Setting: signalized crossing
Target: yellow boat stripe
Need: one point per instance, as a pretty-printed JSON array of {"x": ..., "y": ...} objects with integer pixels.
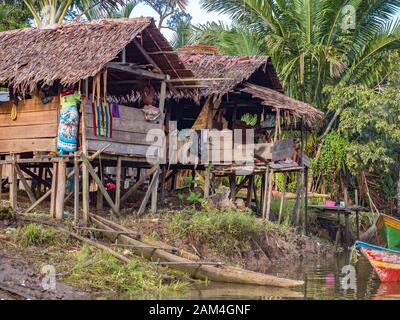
[{"x": 381, "y": 264}]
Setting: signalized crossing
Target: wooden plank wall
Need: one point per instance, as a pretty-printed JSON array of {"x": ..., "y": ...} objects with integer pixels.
[
  {"x": 128, "y": 133},
  {"x": 35, "y": 128}
]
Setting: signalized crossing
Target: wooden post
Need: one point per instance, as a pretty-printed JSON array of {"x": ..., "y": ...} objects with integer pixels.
[
  {"x": 269, "y": 197},
  {"x": 13, "y": 181},
  {"x": 162, "y": 96},
  {"x": 85, "y": 172},
  {"x": 283, "y": 192},
  {"x": 149, "y": 191},
  {"x": 232, "y": 184},
  {"x": 76, "y": 189},
  {"x": 305, "y": 200},
  {"x": 162, "y": 184},
  {"x": 61, "y": 180},
  {"x": 265, "y": 194},
  {"x": 118, "y": 184},
  {"x": 207, "y": 182},
  {"x": 1, "y": 179},
  {"x": 249, "y": 191},
  {"x": 99, "y": 195},
  {"x": 53, "y": 191},
  {"x": 154, "y": 192}
]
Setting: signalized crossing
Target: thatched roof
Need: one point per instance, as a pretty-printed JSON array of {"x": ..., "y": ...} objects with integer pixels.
[
  {"x": 230, "y": 70},
  {"x": 77, "y": 50},
  {"x": 310, "y": 115}
]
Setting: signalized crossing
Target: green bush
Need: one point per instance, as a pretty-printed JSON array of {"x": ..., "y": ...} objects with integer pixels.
[{"x": 226, "y": 230}]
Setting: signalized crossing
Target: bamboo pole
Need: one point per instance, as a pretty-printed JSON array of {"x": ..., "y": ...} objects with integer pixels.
[
  {"x": 154, "y": 193},
  {"x": 147, "y": 195}
]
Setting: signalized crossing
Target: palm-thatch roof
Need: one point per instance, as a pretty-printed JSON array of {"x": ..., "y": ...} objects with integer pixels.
[
  {"x": 234, "y": 73},
  {"x": 77, "y": 50},
  {"x": 279, "y": 101},
  {"x": 229, "y": 70}
]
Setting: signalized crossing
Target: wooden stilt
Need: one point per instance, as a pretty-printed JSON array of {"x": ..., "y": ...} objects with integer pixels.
[
  {"x": 25, "y": 183},
  {"x": 269, "y": 196},
  {"x": 154, "y": 192},
  {"x": 258, "y": 204},
  {"x": 232, "y": 183},
  {"x": 1, "y": 180},
  {"x": 265, "y": 194},
  {"x": 99, "y": 195},
  {"x": 61, "y": 180},
  {"x": 250, "y": 191},
  {"x": 76, "y": 189},
  {"x": 13, "y": 182},
  {"x": 283, "y": 192},
  {"x": 162, "y": 184},
  {"x": 207, "y": 182},
  {"x": 147, "y": 195},
  {"x": 118, "y": 184},
  {"x": 99, "y": 183},
  {"x": 53, "y": 191}
]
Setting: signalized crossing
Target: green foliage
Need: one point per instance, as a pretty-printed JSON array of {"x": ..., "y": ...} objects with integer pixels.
[
  {"x": 308, "y": 44},
  {"x": 232, "y": 40},
  {"x": 249, "y": 119},
  {"x": 333, "y": 156},
  {"x": 13, "y": 15},
  {"x": 138, "y": 279},
  {"x": 228, "y": 230},
  {"x": 35, "y": 235}
]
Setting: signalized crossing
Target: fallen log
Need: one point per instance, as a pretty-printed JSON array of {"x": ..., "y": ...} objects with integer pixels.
[{"x": 203, "y": 272}]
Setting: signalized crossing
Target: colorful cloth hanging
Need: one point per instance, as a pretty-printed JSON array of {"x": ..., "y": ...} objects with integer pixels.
[
  {"x": 102, "y": 119},
  {"x": 68, "y": 123}
]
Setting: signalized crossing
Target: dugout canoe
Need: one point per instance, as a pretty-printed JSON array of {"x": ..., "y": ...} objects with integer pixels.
[
  {"x": 195, "y": 269},
  {"x": 386, "y": 262},
  {"x": 389, "y": 228}
]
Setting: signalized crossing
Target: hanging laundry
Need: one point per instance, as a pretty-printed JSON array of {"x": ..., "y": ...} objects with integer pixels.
[
  {"x": 68, "y": 123},
  {"x": 102, "y": 119}
]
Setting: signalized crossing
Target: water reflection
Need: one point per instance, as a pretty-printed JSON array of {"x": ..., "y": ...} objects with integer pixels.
[{"x": 322, "y": 282}]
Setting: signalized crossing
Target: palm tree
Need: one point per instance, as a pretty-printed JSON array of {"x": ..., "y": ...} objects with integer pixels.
[
  {"x": 49, "y": 12},
  {"x": 235, "y": 40},
  {"x": 312, "y": 44}
]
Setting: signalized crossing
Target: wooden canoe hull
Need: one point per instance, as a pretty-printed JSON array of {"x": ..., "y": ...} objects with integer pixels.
[
  {"x": 226, "y": 274},
  {"x": 385, "y": 262},
  {"x": 389, "y": 227}
]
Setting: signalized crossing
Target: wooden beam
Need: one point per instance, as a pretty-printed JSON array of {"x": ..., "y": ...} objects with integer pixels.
[
  {"x": 53, "y": 191},
  {"x": 149, "y": 191},
  {"x": 61, "y": 181},
  {"x": 137, "y": 72},
  {"x": 76, "y": 189},
  {"x": 25, "y": 183},
  {"x": 35, "y": 176},
  {"x": 139, "y": 182},
  {"x": 163, "y": 93},
  {"x": 13, "y": 182},
  {"x": 283, "y": 192},
  {"x": 118, "y": 184},
  {"x": 154, "y": 192},
  {"x": 99, "y": 184}
]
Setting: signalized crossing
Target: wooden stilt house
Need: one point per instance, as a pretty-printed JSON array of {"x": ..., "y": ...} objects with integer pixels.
[
  {"x": 239, "y": 94},
  {"x": 106, "y": 62}
]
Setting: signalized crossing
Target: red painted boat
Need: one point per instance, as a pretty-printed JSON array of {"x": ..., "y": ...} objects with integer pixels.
[{"x": 385, "y": 262}]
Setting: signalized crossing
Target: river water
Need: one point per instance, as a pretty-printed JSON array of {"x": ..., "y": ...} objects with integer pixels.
[{"x": 322, "y": 281}]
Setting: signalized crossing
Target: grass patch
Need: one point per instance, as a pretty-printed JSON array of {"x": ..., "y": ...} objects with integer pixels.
[
  {"x": 6, "y": 213},
  {"x": 35, "y": 235},
  {"x": 227, "y": 231},
  {"x": 138, "y": 279}
]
